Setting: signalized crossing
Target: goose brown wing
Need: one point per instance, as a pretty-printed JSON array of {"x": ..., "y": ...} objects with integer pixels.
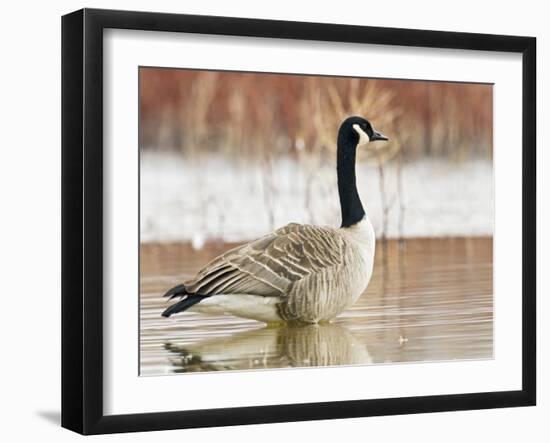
[{"x": 270, "y": 265}]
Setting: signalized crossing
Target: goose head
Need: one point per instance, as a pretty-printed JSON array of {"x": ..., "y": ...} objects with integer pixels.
[{"x": 357, "y": 131}]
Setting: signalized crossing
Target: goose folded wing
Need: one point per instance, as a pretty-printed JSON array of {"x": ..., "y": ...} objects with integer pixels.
[{"x": 271, "y": 264}]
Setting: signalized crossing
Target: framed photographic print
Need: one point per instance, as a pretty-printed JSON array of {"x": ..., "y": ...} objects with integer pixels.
[{"x": 269, "y": 221}]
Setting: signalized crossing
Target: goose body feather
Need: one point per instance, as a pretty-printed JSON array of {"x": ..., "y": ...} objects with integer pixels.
[{"x": 297, "y": 273}]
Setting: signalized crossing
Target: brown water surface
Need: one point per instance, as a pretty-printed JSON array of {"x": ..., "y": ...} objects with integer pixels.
[{"x": 428, "y": 300}]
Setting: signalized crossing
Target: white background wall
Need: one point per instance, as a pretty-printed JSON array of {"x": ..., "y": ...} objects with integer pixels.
[{"x": 30, "y": 218}]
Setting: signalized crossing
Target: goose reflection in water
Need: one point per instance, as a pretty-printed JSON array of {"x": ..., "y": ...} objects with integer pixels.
[{"x": 271, "y": 347}]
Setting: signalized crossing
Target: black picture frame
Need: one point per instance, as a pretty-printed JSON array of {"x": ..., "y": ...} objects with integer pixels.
[{"x": 82, "y": 220}]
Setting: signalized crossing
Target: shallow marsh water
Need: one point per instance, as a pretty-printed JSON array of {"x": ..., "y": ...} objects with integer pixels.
[{"x": 428, "y": 300}]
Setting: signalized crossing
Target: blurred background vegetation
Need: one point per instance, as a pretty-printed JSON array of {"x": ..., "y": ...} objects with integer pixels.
[
  {"x": 251, "y": 113},
  {"x": 233, "y": 155}
]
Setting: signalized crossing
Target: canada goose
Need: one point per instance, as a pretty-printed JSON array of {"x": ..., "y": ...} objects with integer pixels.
[{"x": 300, "y": 273}]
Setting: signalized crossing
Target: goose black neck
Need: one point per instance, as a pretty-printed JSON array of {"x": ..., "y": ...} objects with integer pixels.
[{"x": 350, "y": 203}]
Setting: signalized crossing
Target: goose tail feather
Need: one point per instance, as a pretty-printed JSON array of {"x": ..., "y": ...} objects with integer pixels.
[
  {"x": 176, "y": 291},
  {"x": 184, "y": 304}
]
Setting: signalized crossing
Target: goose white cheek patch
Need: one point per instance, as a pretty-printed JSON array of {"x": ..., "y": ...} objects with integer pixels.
[{"x": 363, "y": 136}]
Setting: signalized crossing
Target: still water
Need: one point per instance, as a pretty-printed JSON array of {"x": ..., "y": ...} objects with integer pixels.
[{"x": 428, "y": 300}]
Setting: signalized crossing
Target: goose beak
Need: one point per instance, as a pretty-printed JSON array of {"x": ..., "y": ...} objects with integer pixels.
[{"x": 378, "y": 136}]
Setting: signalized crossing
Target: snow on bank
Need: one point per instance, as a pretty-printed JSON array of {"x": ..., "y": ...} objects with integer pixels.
[{"x": 199, "y": 200}]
